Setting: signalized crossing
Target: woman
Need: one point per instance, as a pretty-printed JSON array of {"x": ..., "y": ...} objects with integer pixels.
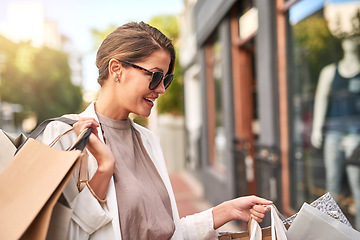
[{"x": 129, "y": 195}]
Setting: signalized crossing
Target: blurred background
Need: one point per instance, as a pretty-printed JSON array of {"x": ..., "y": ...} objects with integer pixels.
[
  {"x": 48, "y": 50},
  {"x": 239, "y": 117}
]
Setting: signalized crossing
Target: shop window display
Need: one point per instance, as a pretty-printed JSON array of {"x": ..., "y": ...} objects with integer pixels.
[
  {"x": 325, "y": 117},
  {"x": 215, "y": 81}
]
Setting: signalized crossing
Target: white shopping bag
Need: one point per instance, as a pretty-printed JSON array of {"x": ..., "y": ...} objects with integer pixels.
[
  {"x": 312, "y": 224},
  {"x": 277, "y": 227}
]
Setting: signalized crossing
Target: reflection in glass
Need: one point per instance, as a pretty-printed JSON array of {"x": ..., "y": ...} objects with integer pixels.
[
  {"x": 220, "y": 139},
  {"x": 326, "y": 103}
]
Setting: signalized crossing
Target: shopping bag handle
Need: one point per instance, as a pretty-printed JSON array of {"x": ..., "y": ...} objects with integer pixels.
[
  {"x": 278, "y": 230},
  {"x": 81, "y": 141},
  {"x": 251, "y": 220},
  {"x": 34, "y": 134},
  {"x": 79, "y": 144},
  {"x": 43, "y": 125}
]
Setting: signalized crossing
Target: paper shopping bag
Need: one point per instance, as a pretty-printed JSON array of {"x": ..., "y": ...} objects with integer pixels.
[
  {"x": 11, "y": 145},
  {"x": 277, "y": 230},
  {"x": 31, "y": 184},
  {"x": 8, "y": 145},
  {"x": 326, "y": 204},
  {"x": 311, "y": 223}
]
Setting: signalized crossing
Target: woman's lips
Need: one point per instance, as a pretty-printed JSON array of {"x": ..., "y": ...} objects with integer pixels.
[{"x": 150, "y": 101}]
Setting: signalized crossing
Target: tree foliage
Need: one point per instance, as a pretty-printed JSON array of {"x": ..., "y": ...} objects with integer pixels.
[
  {"x": 167, "y": 24},
  {"x": 315, "y": 47},
  {"x": 100, "y": 35},
  {"x": 39, "y": 80},
  {"x": 173, "y": 100}
]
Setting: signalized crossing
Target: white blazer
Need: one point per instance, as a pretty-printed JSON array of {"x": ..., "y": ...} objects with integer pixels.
[{"x": 90, "y": 220}]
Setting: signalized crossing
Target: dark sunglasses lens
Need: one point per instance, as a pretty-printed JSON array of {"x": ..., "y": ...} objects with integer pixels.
[
  {"x": 167, "y": 80},
  {"x": 156, "y": 79}
]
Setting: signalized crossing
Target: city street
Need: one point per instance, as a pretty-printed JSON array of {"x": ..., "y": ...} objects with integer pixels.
[{"x": 190, "y": 199}]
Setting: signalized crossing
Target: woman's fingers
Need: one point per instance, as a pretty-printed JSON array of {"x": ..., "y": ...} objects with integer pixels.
[
  {"x": 88, "y": 121},
  {"x": 256, "y": 218},
  {"x": 84, "y": 123},
  {"x": 258, "y": 212},
  {"x": 261, "y": 208},
  {"x": 259, "y": 201},
  {"x": 94, "y": 141}
]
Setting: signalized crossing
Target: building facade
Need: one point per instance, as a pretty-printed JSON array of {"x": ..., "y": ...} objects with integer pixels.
[{"x": 272, "y": 97}]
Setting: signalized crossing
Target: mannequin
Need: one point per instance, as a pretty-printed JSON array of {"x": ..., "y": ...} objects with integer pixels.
[{"x": 337, "y": 120}]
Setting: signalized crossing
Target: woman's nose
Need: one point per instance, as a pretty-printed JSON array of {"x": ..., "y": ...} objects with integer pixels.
[{"x": 160, "y": 88}]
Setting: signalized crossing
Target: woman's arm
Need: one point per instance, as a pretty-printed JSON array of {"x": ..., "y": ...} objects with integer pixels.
[
  {"x": 103, "y": 155},
  {"x": 203, "y": 225},
  {"x": 240, "y": 209}
]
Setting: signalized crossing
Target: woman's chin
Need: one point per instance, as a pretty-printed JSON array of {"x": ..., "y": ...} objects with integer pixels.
[{"x": 143, "y": 114}]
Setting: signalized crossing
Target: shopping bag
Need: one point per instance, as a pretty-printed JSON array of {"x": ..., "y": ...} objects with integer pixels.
[
  {"x": 8, "y": 144},
  {"x": 326, "y": 204},
  {"x": 11, "y": 145},
  {"x": 31, "y": 184},
  {"x": 277, "y": 230},
  {"x": 311, "y": 223}
]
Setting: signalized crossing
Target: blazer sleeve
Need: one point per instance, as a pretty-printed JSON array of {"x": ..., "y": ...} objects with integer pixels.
[
  {"x": 199, "y": 226},
  {"x": 88, "y": 214}
]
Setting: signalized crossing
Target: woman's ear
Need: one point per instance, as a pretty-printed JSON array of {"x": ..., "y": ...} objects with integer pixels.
[{"x": 115, "y": 69}]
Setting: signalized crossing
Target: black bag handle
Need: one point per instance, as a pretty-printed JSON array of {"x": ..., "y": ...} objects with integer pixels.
[
  {"x": 83, "y": 141},
  {"x": 80, "y": 145},
  {"x": 43, "y": 125}
]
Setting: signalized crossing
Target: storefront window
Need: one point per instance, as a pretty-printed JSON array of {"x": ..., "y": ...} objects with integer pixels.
[
  {"x": 325, "y": 103},
  {"x": 220, "y": 140},
  {"x": 215, "y": 103}
]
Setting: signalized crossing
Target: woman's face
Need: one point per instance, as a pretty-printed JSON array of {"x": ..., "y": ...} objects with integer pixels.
[{"x": 134, "y": 95}]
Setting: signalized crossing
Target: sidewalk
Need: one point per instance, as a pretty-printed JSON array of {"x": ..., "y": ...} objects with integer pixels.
[{"x": 190, "y": 197}]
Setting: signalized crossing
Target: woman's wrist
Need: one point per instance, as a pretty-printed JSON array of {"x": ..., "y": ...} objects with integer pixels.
[
  {"x": 106, "y": 165},
  {"x": 100, "y": 181},
  {"x": 106, "y": 168},
  {"x": 222, "y": 214}
]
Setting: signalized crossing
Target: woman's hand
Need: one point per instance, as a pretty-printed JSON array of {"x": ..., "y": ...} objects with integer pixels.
[
  {"x": 241, "y": 209},
  {"x": 102, "y": 153}
]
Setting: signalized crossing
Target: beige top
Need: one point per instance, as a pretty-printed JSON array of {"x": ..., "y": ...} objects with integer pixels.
[{"x": 143, "y": 201}]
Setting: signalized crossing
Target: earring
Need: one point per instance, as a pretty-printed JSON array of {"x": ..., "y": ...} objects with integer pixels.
[{"x": 116, "y": 79}]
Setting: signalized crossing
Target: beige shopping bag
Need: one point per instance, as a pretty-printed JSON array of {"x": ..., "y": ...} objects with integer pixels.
[{"x": 31, "y": 184}]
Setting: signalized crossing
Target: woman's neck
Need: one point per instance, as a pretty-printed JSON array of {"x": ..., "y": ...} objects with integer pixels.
[{"x": 106, "y": 106}]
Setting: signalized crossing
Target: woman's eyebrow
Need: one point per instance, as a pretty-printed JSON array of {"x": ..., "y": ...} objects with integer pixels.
[{"x": 158, "y": 69}]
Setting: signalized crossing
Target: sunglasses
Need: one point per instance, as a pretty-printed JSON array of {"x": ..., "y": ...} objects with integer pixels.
[{"x": 156, "y": 77}]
